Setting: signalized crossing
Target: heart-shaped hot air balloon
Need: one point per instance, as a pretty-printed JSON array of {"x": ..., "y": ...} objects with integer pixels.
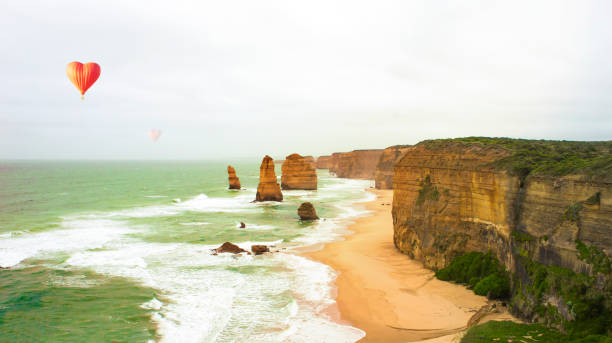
[
  {"x": 154, "y": 134},
  {"x": 82, "y": 75}
]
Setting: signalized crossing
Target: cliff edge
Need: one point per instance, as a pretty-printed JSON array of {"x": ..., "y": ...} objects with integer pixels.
[
  {"x": 535, "y": 205},
  {"x": 383, "y": 175}
]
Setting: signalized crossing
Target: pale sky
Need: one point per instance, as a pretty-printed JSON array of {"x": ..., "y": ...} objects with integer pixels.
[{"x": 225, "y": 79}]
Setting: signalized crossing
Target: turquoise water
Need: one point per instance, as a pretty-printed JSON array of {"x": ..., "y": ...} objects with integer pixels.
[{"x": 120, "y": 252}]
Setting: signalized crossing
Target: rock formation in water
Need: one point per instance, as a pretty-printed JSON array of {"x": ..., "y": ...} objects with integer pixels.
[
  {"x": 242, "y": 225},
  {"x": 298, "y": 173},
  {"x": 311, "y": 161},
  {"x": 383, "y": 176},
  {"x": 527, "y": 202},
  {"x": 306, "y": 211},
  {"x": 268, "y": 188},
  {"x": 259, "y": 249},
  {"x": 231, "y": 248},
  {"x": 234, "y": 181},
  {"x": 323, "y": 162},
  {"x": 357, "y": 164}
]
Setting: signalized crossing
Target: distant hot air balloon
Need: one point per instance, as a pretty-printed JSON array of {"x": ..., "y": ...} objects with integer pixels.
[
  {"x": 83, "y": 76},
  {"x": 154, "y": 134}
]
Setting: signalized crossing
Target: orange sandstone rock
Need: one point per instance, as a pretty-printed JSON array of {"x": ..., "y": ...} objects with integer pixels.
[
  {"x": 298, "y": 173},
  {"x": 268, "y": 188},
  {"x": 384, "y": 169},
  {"x": 357, "y": 164},
  {"x": 311, "y": 160},
  {"x": 323, "y": 162},
  {"x": 234, "y": 181},
  {"x": 306, "y": 211}
]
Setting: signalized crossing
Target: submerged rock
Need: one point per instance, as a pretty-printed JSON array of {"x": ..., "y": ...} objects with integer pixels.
[
  {"x": 234, "y": 181},
  {"x": 268, "y": 188},
  {"x": 231, "y": 248},
  {"x": 306, "y": 211},
  {"x": 259, "y": 249}
]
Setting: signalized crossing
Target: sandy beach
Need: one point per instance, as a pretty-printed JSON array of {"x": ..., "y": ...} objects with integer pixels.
[{"x": 388, "y": 295}]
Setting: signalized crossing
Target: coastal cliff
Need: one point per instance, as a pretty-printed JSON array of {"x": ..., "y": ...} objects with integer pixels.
[
  {"x": 268, "y": 188},
  {"x": 383, "y": 176},
  {"x": 535, "y": 205},
  {"x": 323, "y": 162},
  {"x": 357, "y": 164},
  {"x": 298, "y": 173}
]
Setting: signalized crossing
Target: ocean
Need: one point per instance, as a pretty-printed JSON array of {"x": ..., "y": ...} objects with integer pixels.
[{"x": 121, "y": 252}]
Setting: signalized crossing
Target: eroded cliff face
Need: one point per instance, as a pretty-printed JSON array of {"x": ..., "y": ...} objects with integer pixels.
[
  {"x": 234, "y": 181},
  {"x": 557, "y": 211},
  {"x": 298, "y": 173},
  {"x": 323, "y": 162},
  {"x": 333, "y": 163},
  {"x": 268, "y": 188},
  {"x": 445, "y": 203},
  {"x": 357, "y": 164},
  {"x": 383, "y": 176},
  {"x": 451, "y": 200}
]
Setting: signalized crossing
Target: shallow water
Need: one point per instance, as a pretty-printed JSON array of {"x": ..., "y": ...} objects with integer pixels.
[{"x": 120, "y": 251}]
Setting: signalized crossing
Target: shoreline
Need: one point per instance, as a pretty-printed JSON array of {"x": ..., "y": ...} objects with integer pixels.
[{"x": 389, "y": 296}]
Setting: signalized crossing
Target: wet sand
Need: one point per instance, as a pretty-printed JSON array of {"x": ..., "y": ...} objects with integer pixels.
[{"x": 388, "y": 295}]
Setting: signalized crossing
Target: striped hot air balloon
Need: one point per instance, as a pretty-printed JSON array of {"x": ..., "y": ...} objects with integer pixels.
[{"x": 82, "y": 75}]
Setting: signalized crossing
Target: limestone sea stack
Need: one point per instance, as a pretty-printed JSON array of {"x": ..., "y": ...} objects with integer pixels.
[
  {"x": 298, "y": 173},
  {"x": 306, "y": 211},
  {"x": 383, "y": 176},
  {"x": 268, "y": 188},
  {"x": 311, "y": 160},
  {"x": 323, "y": 162},
  {"x": 234, "y": 181}
]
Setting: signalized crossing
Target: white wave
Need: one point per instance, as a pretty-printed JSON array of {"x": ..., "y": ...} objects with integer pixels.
[
  {"x": 13, "y": 234},
  {"x": 297, "y": 193},
  {"x": 346, "y": 184},
  {"x": 194, "y": 224},
  {"x": 251, "y": 226},
  {"x": 200, "y": 203},
  {"x": 77, "y": 235},
  {"x": 276, "y": 297}
]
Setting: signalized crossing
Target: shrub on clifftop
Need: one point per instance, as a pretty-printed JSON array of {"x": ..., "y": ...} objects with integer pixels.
[{"x": 544, "y": 157}]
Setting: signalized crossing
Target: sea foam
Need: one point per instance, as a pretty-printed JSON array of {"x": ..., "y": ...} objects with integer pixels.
[{"x": 278, "y": 297}]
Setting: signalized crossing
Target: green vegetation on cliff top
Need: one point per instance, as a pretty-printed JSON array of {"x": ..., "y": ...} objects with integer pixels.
[
  {"x": 544, "y": 157},
  {"x": 507, "y": 331}
]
